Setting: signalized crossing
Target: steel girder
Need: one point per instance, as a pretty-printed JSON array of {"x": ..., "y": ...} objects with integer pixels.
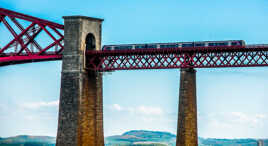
[
  {"x": 24, "y": 47},
  {"x": 195, "y": 57},
  {"x": 22, "y": 44}
]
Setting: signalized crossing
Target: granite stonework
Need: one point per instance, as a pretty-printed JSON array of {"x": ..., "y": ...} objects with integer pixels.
[
  {"x": 80, "y": 120},
  {"x": 187, "y": 119}
]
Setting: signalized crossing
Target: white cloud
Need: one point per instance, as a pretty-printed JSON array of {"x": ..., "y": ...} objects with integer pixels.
[
  {"x": 143, "y": 110},
  {"x": 116, "y": 107},
  {"x": 235, "y": 119},
  {"x": 36, "y": 105},
  {"x": 148, "y": 119},
  {"x": 242, "y": 124},
  {"x": 29, "y": 117},
  {"x": 253, "y": 120},
  {"x": 261, "y": 116},
  {"x": 220, "y": 124},
  {"x": 240, "y": 117},
  {"x": 147, "y": 110}
]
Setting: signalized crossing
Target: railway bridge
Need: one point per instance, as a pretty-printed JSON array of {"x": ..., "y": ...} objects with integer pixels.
[{"x": 80, "y": 121}]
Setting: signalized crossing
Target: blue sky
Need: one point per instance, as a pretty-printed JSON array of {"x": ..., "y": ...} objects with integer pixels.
[{"x": 231, "y": 102}]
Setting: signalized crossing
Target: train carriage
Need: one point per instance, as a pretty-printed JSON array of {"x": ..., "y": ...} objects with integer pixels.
[{"x": 174, "y": 45}]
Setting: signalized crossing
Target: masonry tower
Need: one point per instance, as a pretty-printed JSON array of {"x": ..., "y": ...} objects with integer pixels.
[
  {"x": 81, "y": 103},
  {"x": 187, "y": 118}
]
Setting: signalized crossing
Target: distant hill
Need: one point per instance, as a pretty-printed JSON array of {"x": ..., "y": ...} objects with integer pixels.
[
  {"x": 144, "y": 137},
  {"x": 265, "y": 142},
  {"x": 131, "y": 138},
  {"x": 227, "y": 142},
  {"x": 26, "y": 140},
  {"x": 141, "y": 137}
]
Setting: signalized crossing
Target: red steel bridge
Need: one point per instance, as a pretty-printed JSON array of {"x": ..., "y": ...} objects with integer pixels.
[
  {"x": 25, "y": 39},
  {"x": 25, "y": 46}
]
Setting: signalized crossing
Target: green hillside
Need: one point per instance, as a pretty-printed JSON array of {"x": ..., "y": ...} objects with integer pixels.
[
  {"x": 131, "y": 138},
  {"x": 141, "y": 137},
  {"x": 227, "y": 142},
  {"x": 26, "y": 140}
]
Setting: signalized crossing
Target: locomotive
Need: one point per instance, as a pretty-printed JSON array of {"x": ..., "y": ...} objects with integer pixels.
[{"x": 175, "y": 45}]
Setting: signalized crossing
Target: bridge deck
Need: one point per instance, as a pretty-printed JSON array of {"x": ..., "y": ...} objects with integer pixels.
[{"x": 194, "y": 57}]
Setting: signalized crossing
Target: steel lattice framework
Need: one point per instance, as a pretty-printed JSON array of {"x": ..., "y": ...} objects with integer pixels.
[
  {"x": 195, "y": 57},
  {"x": 22, "y": 44},
  {"x": 25, "y": 46}
]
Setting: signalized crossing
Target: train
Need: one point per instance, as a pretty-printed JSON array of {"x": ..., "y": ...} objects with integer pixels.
[{"x": 174, "y": 45}]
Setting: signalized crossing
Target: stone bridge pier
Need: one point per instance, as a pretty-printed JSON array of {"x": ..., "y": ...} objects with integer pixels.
[
  {"x": 80, "y": 120},
  {"x": 187, "y": 118}
]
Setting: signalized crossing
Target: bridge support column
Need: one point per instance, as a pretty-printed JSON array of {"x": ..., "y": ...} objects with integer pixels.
[
  {"x": 81, "y": 109},
  {"x": 187, "y": 119}
]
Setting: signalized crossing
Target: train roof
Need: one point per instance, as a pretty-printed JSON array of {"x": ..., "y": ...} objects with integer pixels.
[{"x": 171, "y": 43}]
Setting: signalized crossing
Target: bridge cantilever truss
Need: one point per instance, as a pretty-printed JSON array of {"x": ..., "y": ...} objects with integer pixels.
[
  {"x": 22, "y": 45},
  {"x": 194, "y": 57},
  {"x": 25, "y": 47}
]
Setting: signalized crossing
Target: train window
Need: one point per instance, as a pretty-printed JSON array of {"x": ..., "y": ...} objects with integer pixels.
[
  {"x": 118, "y": 47},
  {"x": 187, "y": 45},
  {"x": 128, "y": 47},
  {"x": 140, "y": 46},
  {"x": 211, "y": 44},
  {"x": 162, "y": 46},
  {"x": 107, "y": 48},
  {"x": 219, "y": 44},
  {"x": 234, "y": 43},
  {"x": 151, "y": 46},
  {"x": 123, "y": 47},
  {"x": 173, "y": 46},
  {"x": 223, "y": 44},
  {"x": 169, "y": 46},
  {"x": 199, "y": 44}
]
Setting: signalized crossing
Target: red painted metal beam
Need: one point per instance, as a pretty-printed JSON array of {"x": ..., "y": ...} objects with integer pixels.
[
  {"x": 19, "y": 39},
  {"x": 194, "y": 57},
  {"x": 27, "y": 34},
  {"x": 9, "y": 60},
  {"x": 10, "y": 13},
  {"x": 1, "y": 18},
  {"x": 24, "y": 46},
  {"x": 16, "y": 38},
  {"x": 30, "y": 39}
]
